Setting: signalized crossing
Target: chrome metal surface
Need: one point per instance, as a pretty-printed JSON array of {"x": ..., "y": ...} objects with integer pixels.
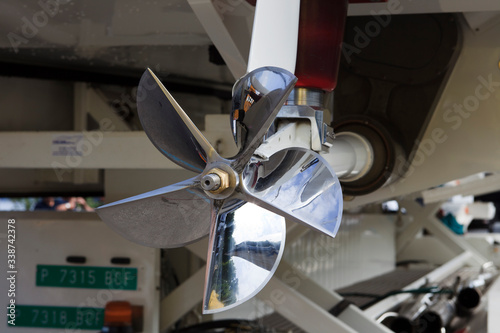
[
  {"x": 169, "y": 127},
  {"x": 257, "y": 99},
  {"x": 168, "y": 217},
  {"x": 437, "y": 316},
  {"x": 238, "y": 200},
  {"x": 210, "y": 182},
  {"x": 299, "y": 185},
  {"x": 246, "y": 243},
  {"x": 306, "y": 96}
]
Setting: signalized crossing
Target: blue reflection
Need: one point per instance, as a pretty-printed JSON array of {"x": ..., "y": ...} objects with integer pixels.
[{"x": 247, "y": 245}]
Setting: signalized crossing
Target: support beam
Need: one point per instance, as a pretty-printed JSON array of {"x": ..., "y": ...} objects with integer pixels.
[
  {"x": 454, "y": 242},
  {"x": 99, "y": 149},
  {"x": 485, "y": 185},
  {"x": 424, "y": 217},
  {"x": 80, "y": 106},
  {"x": 275, "y": 35},
  {"x": 419, "y": 217},
  {"x": 182, "y": 300},
  {"x": 94, "y": 104},
  {"x": 327, "y": 299},
  {"x": 294, "y": 282},
  {"x": 234, "y": 51},
  {"x": 299, "y": 310}
]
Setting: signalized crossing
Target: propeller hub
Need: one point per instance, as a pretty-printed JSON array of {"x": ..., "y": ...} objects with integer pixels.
[
  {"x": 215, "y": 181},
  {"x": 211, "y": 182}
]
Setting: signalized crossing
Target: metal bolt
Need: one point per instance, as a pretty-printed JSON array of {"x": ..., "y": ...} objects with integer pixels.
[
  {"x": 215, "y": 181},
  {"x": 210, "y": 182}
]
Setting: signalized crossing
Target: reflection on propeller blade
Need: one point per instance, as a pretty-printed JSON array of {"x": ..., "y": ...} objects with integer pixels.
[
  {"x": 246, "y": 244},
  {"x": 246, "y": 199},
  {"x": 298, "y": 184},
  {"x": 257, "y": 99},
  {"x": 168, "y": 217},
  {"x": 169, "y": 127}
]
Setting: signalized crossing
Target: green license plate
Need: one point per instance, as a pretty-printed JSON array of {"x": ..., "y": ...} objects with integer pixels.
[
  {"x": 70, "y": 318},
  {"x": 86, "y": 277}
]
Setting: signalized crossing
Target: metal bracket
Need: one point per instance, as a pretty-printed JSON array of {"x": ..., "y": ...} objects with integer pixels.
[
  {"x": 424, "y": 217},
  {"x": 321, "y": 134}
]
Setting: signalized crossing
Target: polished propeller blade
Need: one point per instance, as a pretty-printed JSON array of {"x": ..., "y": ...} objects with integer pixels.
[
  {"x": 299, "y": 185},
  {"x": 245, "y": 248},
  {"x": 257, "y": 99},
  {"x": 168, "y": 217},
  {"x": 241, "y": 202},
  {"x": 169, "y": 127}
]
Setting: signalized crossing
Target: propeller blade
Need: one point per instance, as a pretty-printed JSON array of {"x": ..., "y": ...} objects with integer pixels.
[
  {"x": 299, "y": 185},
  {"x": 171, "y": 216},
  {"x": 257, "y": 99},
  {"x": 169, "y": 127},
  {"x": 245, "y": 248},
  {"x": 246, "y": 199}
]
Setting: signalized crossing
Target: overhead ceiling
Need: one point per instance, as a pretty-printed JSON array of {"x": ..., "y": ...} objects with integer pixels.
[{"x": 122, "y": 37}]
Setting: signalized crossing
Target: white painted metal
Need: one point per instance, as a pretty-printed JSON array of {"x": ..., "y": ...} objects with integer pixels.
[
  {"x": 80, "y": 106},
  {"x": 133, "y": 150},
  {"x": 293, "y": 280},
  {"x": 428, "y": 249},
  {"x": 363, "y": 248},
  {"x": 462, "y": 137},
  {"x": 359, "y": 320},
  {"x": 493, "y": 306},
  {"x": 182, "y": 300},
  {"x": 480, "y": 186},
  {"x": 454, "y": 242},
  {"x": 275, "y": 35},
  {"x": 350, "y": 155},
  {"x": 424, "y": 217},
  {"x": 326, "y": 299},
  {"x": 293, "y": 134},
  {"x": 481, "y": 21},
  {"x": 89, "y": 101},
  {"x": 99, "y": 149},
  {"x": 418, "y": 216},
  {"x": 295, "y": 231},
  {"x": 233, "y": 48},
  {"x": 486, "y": 244},
  {"x": 49, "y": 237},
  {"x": 299, "y": 310}
]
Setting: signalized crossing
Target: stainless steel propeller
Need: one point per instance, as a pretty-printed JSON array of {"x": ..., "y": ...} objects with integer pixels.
[{"x": 240, "y": 202}]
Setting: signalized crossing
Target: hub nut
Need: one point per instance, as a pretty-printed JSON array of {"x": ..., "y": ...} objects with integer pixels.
[{"x": 215, "y": 181}]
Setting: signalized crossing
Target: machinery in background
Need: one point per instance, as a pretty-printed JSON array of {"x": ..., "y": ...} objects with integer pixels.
[
  {"x": 406, "y": 120},
  {"x": 289, "y": 178},
  {"x": 435, "y": 308}
]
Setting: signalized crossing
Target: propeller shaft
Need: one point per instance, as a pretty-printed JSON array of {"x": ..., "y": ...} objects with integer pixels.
[{"x": 211, "y": 182}]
